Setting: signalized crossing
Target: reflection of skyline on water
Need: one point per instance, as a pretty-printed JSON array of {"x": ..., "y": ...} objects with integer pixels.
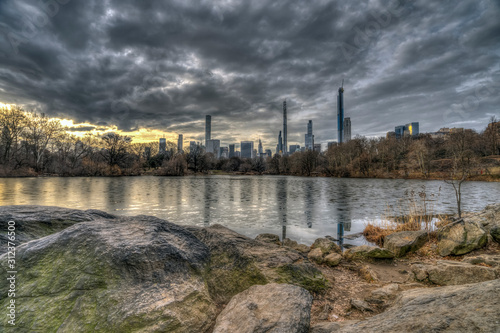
[{"x": 299, "y": 208}]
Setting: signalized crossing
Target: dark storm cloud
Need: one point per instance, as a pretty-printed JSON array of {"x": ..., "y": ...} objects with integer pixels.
[{"x": 165, "y": 64}]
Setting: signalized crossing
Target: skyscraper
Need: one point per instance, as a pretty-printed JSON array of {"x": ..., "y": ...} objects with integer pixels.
[
  {"x": 284, "y": 129},
  {"x": 293, "y": 148},
  {"x": 309, "y": 137},
  {"x": 192, "y": 145},
  {"x": 180, "y": 144},
  {"x": 208, "y": 129},
  {"x": 279, "y": 147},
  {"x": 340, "y": 113},
  {"x": 347, "y": 129},
  {"x": 412, "y": 129},
  {"x": 246, "y": 149},
  {"x": 261, "y": 150},
  {"x": 163, "y": 145},
  {"x": 213, "y": 146},
  {"x": 399, "y": 131},
  {"x": 231, "y": 150}
]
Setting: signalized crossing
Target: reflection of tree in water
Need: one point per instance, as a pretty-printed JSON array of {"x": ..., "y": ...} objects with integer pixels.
[
  {"x": 210, "y": 197},
  {"x": 309, "y": 202},
  {"x": 343, "y": 210},
  {"x": 281, "y": 198}
]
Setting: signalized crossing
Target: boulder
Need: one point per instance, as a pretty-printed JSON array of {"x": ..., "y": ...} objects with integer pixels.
[
  {"x": 33, "y": 222},
  {"x": 135, "y": 274},
  {"x": 401, "y": 243},
  {"x": 269, "y": 238},
  {"x": 238, "y": 262},
  {"x": 495, "y": 233},
  {"x": 326, "y": 245},
  {"x": 333, "y": 259},
  {"x": 361, "y": 305},
  {"x": 316, "y": 255},
  {"x": 367, "y": 251},
  {"x": 486, "y": 259},
  {"x": 488, "y": 218},
  {"x": 273, "y": 308},
  {"x": 466, "y": 308},
  {"x": 302, "y": 248},
  {"x": 385, "y": 293},
  {"x": 461, "y": 237},
  {"x": 447, "y": 272}
]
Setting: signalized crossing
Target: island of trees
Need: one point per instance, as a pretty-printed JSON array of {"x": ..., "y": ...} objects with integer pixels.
[{"x": 34, "y": 145}]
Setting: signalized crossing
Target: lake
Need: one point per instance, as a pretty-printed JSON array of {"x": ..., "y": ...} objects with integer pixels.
[{"x": 301, "y": 208}]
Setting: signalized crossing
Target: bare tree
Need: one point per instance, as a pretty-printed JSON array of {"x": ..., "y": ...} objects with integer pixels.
[{"x": 12, "y": 124}]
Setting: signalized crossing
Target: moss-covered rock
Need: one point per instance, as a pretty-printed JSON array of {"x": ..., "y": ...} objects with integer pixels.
[
  {"x": 461, "y": 237},
  {"x": 326, "y": 245},
  {"x": 401, "y": 243}
]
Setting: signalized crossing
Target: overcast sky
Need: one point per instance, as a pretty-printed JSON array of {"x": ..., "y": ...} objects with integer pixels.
[{"x": 164, "y": 65}]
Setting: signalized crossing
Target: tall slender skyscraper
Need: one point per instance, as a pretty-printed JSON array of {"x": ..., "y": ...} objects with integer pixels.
[
  {"x": 284, "y": 129},
  {"x": 347, "y": 129},
  {"x": 163, "y": 145},
  {"x": 232, "y": 150},
  {"x": 340, "y": 113},
  {"x": 261, "y": 149},
  {"x": 279, "y": 148},
  {"x": 208, "y": 129},
  {"x": 309, "y": 137},
  {"x": 180, "y": 144}
]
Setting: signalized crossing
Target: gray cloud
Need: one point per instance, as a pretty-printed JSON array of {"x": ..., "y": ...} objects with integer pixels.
[{"x": 165, "y": 64}]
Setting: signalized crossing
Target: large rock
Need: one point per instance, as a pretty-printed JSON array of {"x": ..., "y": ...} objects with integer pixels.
[
  {"x": 486, "y": 259},
  {"x": 367, "y": 251},
  {"x": 130, "y": 274},
  {"x": 302, "y": 248},
  {"x": 401, "y": 243},
  {"x": 467, "y": 308},
  {"x": 488, "y": 218},
  {"x": 269, "y": 238},
  {"x": 238, "y": 262},
  {"x": 447, "y": 272},
  {"x": 33, "y": 222},
  {"x": 461, "y": 237},
  {"x": 273, "y": 308},
  {"x": 326, "y": 245},
  {"x": 495, "y": 233}
]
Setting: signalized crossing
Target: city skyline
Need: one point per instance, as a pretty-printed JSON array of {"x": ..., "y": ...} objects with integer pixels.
[{"x": 97, "y": 75}]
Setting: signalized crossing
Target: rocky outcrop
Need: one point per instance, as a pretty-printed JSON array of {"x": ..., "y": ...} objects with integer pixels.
[
  {"x": 238, "y": 262},
  {"x": 488, "y": 218},
  {"x": 447, "y": 272},
  {"x": 135, "y": 274},
  {"x": 466, "y": 308},
  {"x": 461, "y": 237},
  {"x": 385, "y": 293},
  {"x": 268, "y": 238},
  {"x": 367, "y": 251},
  {"x": 401, "y": 243},
  {"x": 486, "y": 259},
  {"x": 273, "y": 308},
  {"x": 33, "y": 222},
  {"x": 495, "y": 233},
  {"x": 333, "y": 259},
  {"x": 302, "y": 248},
  {"x": 326, "y": 246}
]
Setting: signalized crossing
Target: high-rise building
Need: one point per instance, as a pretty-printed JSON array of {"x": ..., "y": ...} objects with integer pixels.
[
  {"x": 213, "y": 146},
  {"x": 231, "y": 150},
  {"x": 208, "y": 129},
  {"x": 411, "y": 129},
  {"x": 147, "y": 153},
  {"x": 340, "y": 113},
  {"x": 279, "y": 148},
  {"x": 284, "y": 129},
  {"x": 261, "y": 149},
  {"x": 347, "y": 129},
  {"x": 192, "y": 145},
  {"x": 331, "y": 144},
  {"x": 269, "y": 153},
  {"x": 294, "y": 148},
  {"x": 224, "y": 152},
  {"x": 163, "y": 145},
  {"x": 317, "y": 147},
  {"x": 246, "y": 149},
  {"x": 180, "y": 144},
  {"x": 309, "y": 137},
  {"x": 399, "y": 130}
]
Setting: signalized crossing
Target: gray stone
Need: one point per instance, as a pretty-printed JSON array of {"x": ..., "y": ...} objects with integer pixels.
[
  {"x": 401, "y": 243},
  {"x": 467, "y": 308},
  {"x": 461, "y": 237},
  {"x": 495, "y": 233},
  {"x": 33, "y": 222},
  {"x": 367, "y": 251},
  {"x": 302, "y": 248},
  {"x": 385, "y": 293},
  {"x": 324, "y": 327},
  {"x": 361, "y": 305},
  {"x": 447, "y": 272},
  {"x": 273, "y": 308},
  {"x": 326, "y": 245},
  {"x": 316, "y": 255},
  {"x": 268, "y": 238},
  {"x": 488, "y": 218},
  {"x": 488, "y": 259}
]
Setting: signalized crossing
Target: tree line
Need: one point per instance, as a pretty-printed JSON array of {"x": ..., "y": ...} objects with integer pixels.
[{"x": 32, "y": 144}]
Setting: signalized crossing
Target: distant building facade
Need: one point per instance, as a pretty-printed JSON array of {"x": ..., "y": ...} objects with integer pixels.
[
  {"x": 163, "y": 145},
  {"x": 317, "y": 147},
  {"x": 213, "y": 146},
  {"x": 347, "y": 129},
  {"x": 224, "y": 152},
  {"x": 246, "y": 149},
  {"x": 309, "y": 137},
  {"x": 294, "y": 148},
  {"x": 180, "y": 144},
  {"x": 232, "y": 151},
  {"x": 208, "y": 129}
]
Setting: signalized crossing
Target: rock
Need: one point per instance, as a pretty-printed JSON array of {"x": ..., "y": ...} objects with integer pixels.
[
  {"x": 367, "y": 251},
  {"x": 268, "y": 238},
  {"x": 488, "y": 218},
  {"x": 333, "y": 259},
  {"x": 447, "y": 272},
  {"x": 495, "y": 233},
  {"x": 361, "y": 305},
  {"x": 324, "y": 327},
  {"x": 135, "y": 274},
  {"x": 488, "y": 259},
  {"x": 302, "y": 248},
  {"x": 273, "y": 308},
  {"x": 316, "y": 255},
  {"x": 238, "y": 262},
  {"x": 326, "y": 245},
  {"x": 461, "y": 237},
  {"x": 386, "y": 292},
  {"x": 33, "y": 222},
  {"x": 401, "y": 243},
  {"x": 467, "y": 308},
  {"x": 368, "y": 274}
]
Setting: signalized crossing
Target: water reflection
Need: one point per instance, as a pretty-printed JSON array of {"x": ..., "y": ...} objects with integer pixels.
[{"x": 281, "y": 198}]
